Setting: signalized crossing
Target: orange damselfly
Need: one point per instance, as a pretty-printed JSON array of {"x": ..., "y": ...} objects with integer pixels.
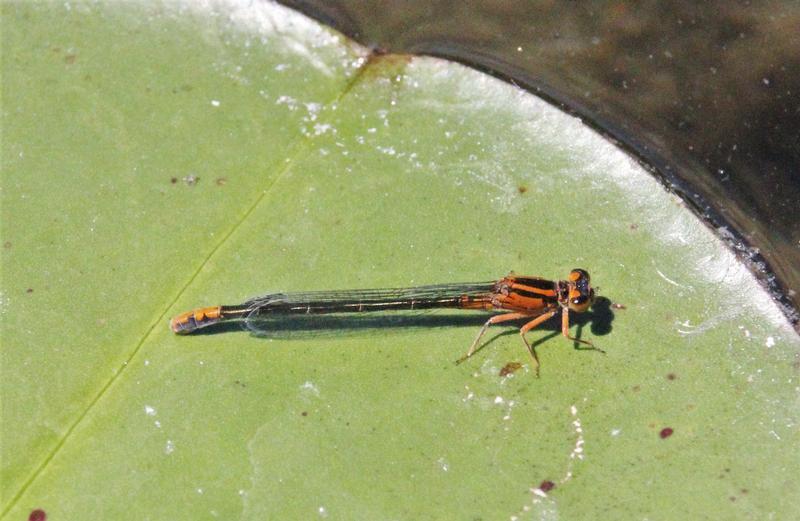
[{"x": 515, "y": 297}]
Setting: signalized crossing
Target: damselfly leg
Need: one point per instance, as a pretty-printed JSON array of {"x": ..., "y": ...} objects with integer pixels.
[{"x": 494, "y": 320}]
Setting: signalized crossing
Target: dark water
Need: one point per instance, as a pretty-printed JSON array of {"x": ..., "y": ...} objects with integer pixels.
[{"x": 706, "y": 93}]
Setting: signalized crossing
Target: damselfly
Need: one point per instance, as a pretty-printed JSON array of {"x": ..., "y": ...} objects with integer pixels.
[{"x": 515, "y": 297}]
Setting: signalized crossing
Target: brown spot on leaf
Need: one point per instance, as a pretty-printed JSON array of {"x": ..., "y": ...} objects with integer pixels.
[
  {"x": 546, "y": 486},
  {"x": 510, "y": 368},
  {"x": 37, "y": 515},
  {"x": 392, "y": 65}
]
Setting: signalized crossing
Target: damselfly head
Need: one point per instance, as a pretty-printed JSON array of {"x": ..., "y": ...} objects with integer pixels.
[{"x": 580, "y": 294}]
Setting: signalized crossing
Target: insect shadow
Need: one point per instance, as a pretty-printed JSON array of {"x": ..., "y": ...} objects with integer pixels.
[{"x": 599, "y": 319}]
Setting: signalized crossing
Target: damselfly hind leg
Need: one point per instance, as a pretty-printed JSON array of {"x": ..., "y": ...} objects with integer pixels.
[{"x": 494, "y": 320}]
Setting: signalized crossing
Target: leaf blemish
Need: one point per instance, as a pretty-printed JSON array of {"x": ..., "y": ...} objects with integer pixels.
[
  {"x": 37, "y": 515},
  {"x": 546, "y": 486},
  {"x": 510, "y": 368}
]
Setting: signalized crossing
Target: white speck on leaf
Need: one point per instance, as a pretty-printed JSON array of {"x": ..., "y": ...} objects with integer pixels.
[
  {"x": 310, "y": 387},
  {"x": 289, "y": 101},
  {"x": 321, "y": 128}
]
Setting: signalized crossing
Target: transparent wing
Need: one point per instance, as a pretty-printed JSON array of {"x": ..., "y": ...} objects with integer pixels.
[
  {"x": 325, "y": 309},
  {"x": 436, "y": 292}
]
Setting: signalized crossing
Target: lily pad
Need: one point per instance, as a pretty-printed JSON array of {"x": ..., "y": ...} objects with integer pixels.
[{"x": 160, "y": 157}]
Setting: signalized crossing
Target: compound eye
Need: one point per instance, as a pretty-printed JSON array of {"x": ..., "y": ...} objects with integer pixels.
[
  {"x": 580, "y": 303},
  {"x": 579, "y": 275},
  {"x": 580, "y": 300}
]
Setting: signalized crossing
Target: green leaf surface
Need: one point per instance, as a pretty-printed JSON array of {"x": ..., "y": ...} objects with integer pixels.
[{"x": 162, "y": 156}]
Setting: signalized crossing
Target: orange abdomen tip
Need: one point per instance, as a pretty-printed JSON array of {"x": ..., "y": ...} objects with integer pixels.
[{"x": 190, "y": 321}]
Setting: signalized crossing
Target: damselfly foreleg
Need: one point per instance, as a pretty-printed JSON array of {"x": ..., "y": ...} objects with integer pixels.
[{"x": 565, "y": 332}]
